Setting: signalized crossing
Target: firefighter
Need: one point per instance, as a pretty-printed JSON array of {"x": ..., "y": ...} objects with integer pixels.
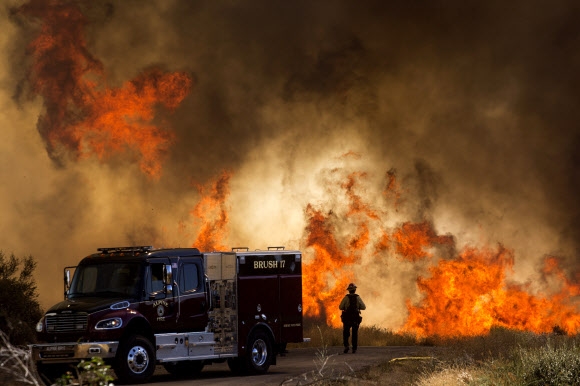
[{"x": 350, "y": 306}]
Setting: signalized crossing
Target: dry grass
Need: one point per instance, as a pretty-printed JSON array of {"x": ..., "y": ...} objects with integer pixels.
[
  {"x": 320, "y": 334},
  {"x": 503, "y": 357},
  {"x": 448, "y": 377},
  {"x": 387, "y": 373},
  {"x": 324, "y": 374},
  {"x": 16, "y": 367}
]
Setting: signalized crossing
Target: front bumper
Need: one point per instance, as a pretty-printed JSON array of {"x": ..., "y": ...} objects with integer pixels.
[{"x": 72, "y": 351}]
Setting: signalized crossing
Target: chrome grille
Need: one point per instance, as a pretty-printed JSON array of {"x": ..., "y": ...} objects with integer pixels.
[{"x": 67, "y": 322}]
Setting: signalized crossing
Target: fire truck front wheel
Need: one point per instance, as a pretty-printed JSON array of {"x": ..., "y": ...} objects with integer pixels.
[
  {"x": 260, "y": 353},
  {"x": 135, "y": 362}
]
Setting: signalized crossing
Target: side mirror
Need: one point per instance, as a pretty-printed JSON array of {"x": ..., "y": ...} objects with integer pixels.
[
  {"x": 168, "y": 278},
  {"x": 66, "y": 282}
]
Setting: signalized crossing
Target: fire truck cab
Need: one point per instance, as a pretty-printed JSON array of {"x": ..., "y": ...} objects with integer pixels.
[{"x": 137, "y": 307}]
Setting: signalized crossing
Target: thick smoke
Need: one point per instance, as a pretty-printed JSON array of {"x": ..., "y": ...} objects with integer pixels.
[{"x": 474, "y": 106}]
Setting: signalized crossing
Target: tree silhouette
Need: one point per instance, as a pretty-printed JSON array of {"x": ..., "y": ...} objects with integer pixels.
[{"x": 19, "y": 307}]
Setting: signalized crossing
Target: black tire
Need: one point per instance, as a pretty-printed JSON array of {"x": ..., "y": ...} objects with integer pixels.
[
  {"x": 135, "y": 361},
  {"x": 184, "y": 369},
  {"x": 260, "y": 353}
]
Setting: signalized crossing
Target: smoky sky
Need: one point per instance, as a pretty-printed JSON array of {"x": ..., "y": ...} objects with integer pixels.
[{"x": 474, "y": 104}]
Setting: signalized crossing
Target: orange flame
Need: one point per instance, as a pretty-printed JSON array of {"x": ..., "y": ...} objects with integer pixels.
[
  {"x": 211, "y": 213},
  {"x": 469, "y": 295},
  {"x": 413, "y": 240},
  {"x": 324, "y": 279},
  {"x": 552, "y": 270},
  {"x": 82, "y": 115},
  {"x": 331, "y": 269},
  {"x": 466, "y": 293},
  {"x": 356, "y": 204},
  {"x": 383, "y": 244}
]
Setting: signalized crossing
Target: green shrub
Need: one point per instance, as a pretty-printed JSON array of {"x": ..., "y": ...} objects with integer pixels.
[
  {"x": 550, "y": 365},
  {"x": 92, "y": 373},
  {"x": 507, "y": 357},
  {"x": 19, "y": 307}
]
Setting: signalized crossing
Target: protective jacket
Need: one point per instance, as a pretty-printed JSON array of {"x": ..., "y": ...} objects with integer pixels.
[{"x": 351, "y": 305}]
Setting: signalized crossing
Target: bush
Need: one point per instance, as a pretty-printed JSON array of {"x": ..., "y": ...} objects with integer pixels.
[
  {"x": 17, "y": 367},
  {"x": 19, "y": 307},
  {"x": 507, "y": 357},
  {"x": 92, "y": 373},
  {"x": 319, "y": 332},
  {"x": 551, "y": 365},
  {"x": 499, "y": 343}
]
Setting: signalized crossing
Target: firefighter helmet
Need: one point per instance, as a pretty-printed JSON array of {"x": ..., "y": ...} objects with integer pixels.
[{"x": 351, "y": 287}]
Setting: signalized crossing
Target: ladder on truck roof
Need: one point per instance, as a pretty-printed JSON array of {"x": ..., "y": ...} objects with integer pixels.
[
  {"x": 143, "y": 248},
  {"x": 246, "y": 249}
]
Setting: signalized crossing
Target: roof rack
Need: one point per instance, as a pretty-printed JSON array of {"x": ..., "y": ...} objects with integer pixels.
[
  {"x": 143, "y": 248},
  {"x": 235, "y": 249},
  {"x": 275, "y": 248}
]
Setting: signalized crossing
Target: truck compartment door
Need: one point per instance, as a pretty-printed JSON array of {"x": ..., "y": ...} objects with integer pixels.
[
  {"x": 258, "y": 302},
  {"x": 291, "y": 308},
  {"x": 184, "y": 346}
]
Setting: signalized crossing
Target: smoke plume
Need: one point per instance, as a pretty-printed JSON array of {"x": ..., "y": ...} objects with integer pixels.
[{"x": 458, "y": 120}]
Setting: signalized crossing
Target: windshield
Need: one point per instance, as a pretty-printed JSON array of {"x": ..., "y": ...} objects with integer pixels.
[{"x": 106, "y": 280}]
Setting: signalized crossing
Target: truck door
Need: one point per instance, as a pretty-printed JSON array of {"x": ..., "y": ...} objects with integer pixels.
[
  {"x": 192, "y": 297},
  {"x": 258, "y": 302},
  {"x": 160, "y": 307},
  {"x": 291, "y": 308}
]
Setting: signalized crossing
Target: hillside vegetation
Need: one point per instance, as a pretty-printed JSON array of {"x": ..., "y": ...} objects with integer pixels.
[
  {"x": 503, "y": 357},
  {"x": 19, "y": 307}
]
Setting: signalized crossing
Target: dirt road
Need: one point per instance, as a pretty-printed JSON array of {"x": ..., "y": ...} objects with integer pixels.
[{"x": 298, "y": 366}]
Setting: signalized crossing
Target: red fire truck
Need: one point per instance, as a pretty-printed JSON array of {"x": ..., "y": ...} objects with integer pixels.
[{"x": 137, "y": 307}]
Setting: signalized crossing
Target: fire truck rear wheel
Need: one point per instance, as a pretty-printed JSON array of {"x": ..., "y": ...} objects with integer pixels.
[
  {"x": 260, "y": 353},
  {"x": 135, "y": 362}
]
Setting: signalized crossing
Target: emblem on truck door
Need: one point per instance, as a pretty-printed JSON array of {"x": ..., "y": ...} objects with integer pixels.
[{"x": 160, "y": 305}]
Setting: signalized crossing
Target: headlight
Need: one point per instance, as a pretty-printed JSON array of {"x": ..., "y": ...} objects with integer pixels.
[
  {"x": 109, "y": 324},
  {"x": 40, "y": 325}
]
